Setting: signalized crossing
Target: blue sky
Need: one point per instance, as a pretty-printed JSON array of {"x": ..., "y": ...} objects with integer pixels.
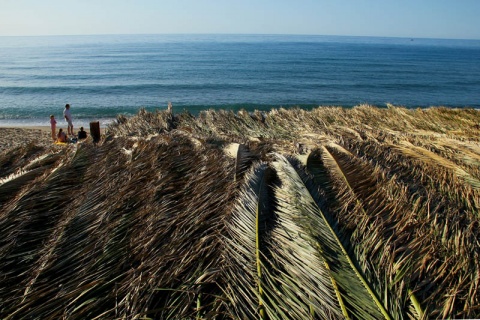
[{"x": 395, "y": 18}]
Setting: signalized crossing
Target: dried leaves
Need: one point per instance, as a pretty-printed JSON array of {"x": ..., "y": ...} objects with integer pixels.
[{"x": 149, "y": 222}]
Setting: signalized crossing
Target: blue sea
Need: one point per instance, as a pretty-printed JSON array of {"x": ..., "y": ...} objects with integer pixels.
[{"x": 105, "y": 75}]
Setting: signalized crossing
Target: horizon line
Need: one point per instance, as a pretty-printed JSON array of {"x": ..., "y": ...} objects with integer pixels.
[{"x": 241, "y": 34}]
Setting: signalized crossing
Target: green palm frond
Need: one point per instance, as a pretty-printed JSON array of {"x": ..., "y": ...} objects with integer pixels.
[
  {"x": 361, "y": 300},
  {"x": 246, "y": 230},
  {"x": 352, "y": 180},
  {"x": 298, "y": 271}
]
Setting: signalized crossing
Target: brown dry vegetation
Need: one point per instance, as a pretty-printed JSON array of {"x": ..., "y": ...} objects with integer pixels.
[{"x": 290, "y": 214}]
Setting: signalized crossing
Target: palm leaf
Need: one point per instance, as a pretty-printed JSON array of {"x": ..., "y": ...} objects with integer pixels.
[
  {"x": 298, "y": 271},
  {"x": 344, "y": 177},
  {"x": 244, "y": 160},
  {"x": 246, "y": 229},
  {"x": 432, "y": 159},
  {"x": 361, "y": 300}
]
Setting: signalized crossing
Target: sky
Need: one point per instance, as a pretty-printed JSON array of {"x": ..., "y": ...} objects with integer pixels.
[{"x": 451, "y": 19}]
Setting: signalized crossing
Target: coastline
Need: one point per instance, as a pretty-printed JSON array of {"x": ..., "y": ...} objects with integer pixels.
[{"x": 38, "y": 123}]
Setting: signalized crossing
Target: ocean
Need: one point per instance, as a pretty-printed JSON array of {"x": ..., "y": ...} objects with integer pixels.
[{"x": 105, "y": 75}]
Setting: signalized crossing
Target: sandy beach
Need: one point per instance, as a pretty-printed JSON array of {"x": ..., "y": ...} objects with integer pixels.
[{"x": 12, "y": 137}]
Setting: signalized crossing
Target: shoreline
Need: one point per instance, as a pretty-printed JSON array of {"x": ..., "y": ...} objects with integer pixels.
[
  {"x": 46, "y": 124},
  {"x": 28, "y": 127}
]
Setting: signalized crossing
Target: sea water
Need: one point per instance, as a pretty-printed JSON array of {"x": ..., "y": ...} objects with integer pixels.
[{"x": 105, "y": 75}]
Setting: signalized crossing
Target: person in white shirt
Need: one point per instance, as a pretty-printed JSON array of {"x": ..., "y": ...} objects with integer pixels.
[{"x": 68, "y": 117}]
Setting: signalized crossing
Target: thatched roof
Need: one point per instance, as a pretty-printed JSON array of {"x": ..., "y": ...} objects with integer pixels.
[{"x": 328, "y": 213}]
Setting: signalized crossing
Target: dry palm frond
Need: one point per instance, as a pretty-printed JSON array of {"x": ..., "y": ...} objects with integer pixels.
[
  {"x": 419, "y": 173},
  {"x": 423, "y": 238},
  {"x": 143, "y": 124},
  {"x": 432, "y": 159},
  {"x": 141, "y": 224},
  {"x": 11, "y": 160},
  {"x": 463, "y": 154},
  {"x": 35, "y": 216},
  {"x": 244, "y": 159},
  {"x": 108, "y": 219},
  {"x": 10, "y": 186}
]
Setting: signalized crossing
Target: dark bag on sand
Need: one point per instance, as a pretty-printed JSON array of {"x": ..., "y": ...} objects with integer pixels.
[{"x": 95, "y": 131}]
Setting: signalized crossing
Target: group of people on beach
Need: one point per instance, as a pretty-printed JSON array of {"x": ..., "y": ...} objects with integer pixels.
[{"x": 70, "y": 136}]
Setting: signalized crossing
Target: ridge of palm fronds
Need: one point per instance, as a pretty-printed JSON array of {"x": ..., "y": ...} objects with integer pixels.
[{"x": 378, "y": 219}]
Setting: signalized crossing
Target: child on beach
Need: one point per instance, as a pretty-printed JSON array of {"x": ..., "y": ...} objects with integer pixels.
[
  {"x": 68, "y": 117},
  {"x": 53, "y": 124},
  {"x": 62, "y": 137}
]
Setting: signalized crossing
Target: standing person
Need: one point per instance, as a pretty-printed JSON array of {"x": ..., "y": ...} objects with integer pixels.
[
  {"x": 68, "y": 117},
  {"x": 53, "y": 124}
]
